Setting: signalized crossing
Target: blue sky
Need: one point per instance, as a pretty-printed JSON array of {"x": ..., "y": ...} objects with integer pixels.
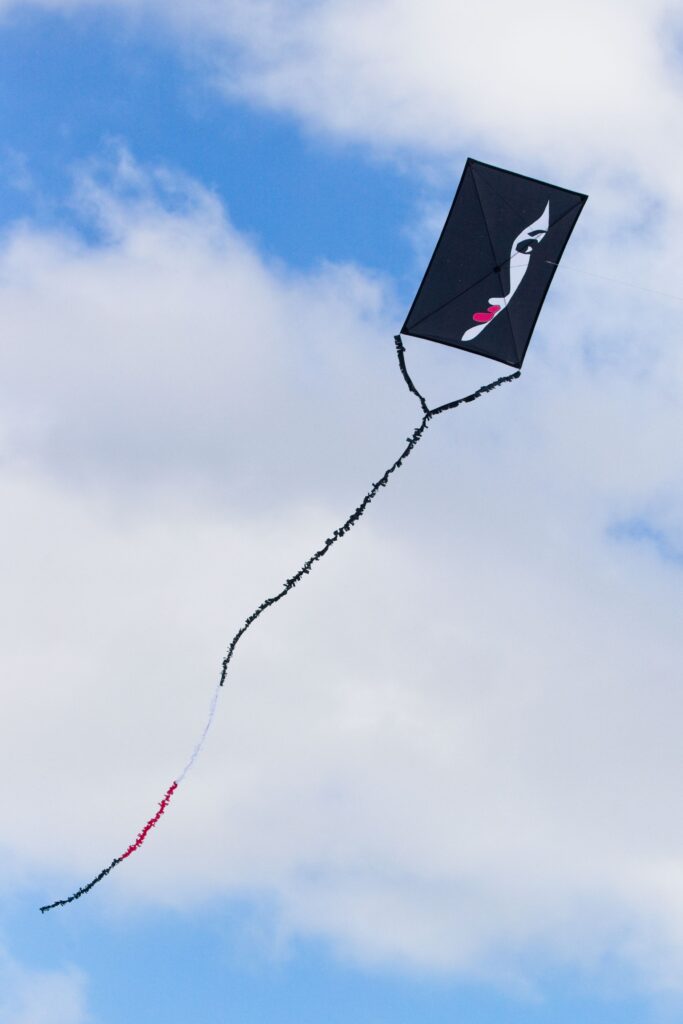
[
  {"x": 119, "y": 84},
  {"x": 443, "y": 785}
]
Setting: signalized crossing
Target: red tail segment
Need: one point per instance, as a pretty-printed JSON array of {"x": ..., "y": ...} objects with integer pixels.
[{"x": 151, "y": 823}]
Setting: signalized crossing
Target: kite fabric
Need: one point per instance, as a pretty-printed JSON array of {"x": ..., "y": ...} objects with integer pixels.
[
  {"x": 494, "y": 262},
  {"x": 516, "y": 216}
]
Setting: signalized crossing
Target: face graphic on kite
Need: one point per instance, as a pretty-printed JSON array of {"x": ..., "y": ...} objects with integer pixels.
[{"x": 520, "y": 255}]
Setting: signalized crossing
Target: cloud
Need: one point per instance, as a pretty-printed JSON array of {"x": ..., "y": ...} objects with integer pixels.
[
  {"x": 564, "y": 88},
  {"x": 456, "y": 746},
  {"x": 30, "y": 996},
  {"x": 175, "y": 389},
  {"x": 569, "y": 92}
]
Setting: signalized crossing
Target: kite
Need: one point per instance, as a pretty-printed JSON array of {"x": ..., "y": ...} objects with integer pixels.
[{"x": 482, "y": 292}]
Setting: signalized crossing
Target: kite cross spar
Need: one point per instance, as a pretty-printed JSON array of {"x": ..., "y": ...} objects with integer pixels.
[{"x": 482, "y": 292}]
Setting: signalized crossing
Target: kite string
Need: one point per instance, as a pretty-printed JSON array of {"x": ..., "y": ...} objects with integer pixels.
[
  {"x": 411, "y": 442},
  {"x": 615, "y": 280}
]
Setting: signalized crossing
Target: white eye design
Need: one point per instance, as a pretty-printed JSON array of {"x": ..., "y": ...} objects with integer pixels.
[{"x": 520, "y": 253}]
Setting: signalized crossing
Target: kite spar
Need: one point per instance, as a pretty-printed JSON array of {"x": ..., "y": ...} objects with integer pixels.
[{"x": 482, "y": 292}]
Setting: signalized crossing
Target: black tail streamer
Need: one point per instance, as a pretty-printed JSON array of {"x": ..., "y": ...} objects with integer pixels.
[
  {"x": 411, "y": 442},
  {"x": 428, "y": 414},
  {"x": 84, "y": 889}
]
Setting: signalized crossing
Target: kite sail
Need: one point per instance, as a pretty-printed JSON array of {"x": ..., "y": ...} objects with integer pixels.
[
  {"x": 482, "y": 292},
  {"x": 494, "y": 262}
]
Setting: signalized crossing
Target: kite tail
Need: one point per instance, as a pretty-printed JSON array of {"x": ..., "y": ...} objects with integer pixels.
[
  {"x": 411, "y": 442},
  {"x": 340, "y": 532},
  {"x": 142, "y": 835}
]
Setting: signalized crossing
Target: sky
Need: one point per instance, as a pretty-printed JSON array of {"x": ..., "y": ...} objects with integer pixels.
[{"x": 443, "y": 783}]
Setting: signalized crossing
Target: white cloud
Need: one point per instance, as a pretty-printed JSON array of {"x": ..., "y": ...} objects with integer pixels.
[
  {"x": 566, "y": 87},
  {"x": 30, "y": 996},
  {"x": 565, "y": 91},
  {"x": 214, "y": 336},
  {"x": 458, "y": 742}
]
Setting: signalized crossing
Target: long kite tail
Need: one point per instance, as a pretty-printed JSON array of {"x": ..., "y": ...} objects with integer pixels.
[{"x": 427, "y": 415}]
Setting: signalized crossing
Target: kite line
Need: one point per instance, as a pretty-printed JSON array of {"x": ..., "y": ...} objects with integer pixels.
[
  {"x": 616, "y": 280},
  {"x": 411, "y": 441}
]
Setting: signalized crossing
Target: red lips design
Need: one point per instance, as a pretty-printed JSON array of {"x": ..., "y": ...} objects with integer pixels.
[{"x": 483, "y": 318}]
